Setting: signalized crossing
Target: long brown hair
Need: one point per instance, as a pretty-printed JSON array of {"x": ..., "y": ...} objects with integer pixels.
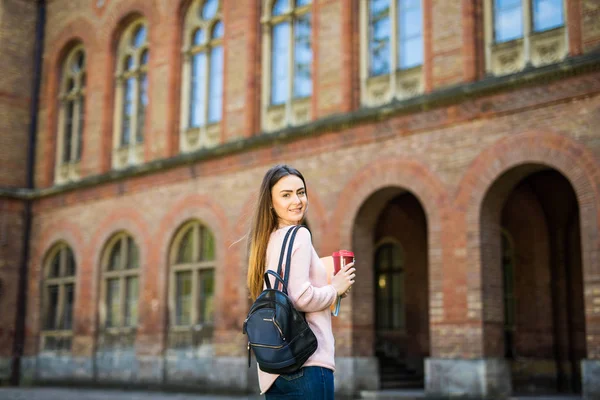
[{"x": 264, "y": 222}]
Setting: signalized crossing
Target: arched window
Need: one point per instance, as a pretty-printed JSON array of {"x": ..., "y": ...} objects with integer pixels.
[
  {"x": 71, "y": 100},
  {"x": 58, "y": 296},
  {"x": 389, "y": 267},
  {"x": 287, "y": 76},
  {"x": 132, "y": 95},
  {"x": 392, "y": 50},
  {"x": 523, "y": 32},
  {"x": 192, "y": 286},
  {"x": 120, "y": 288},
  {"x": 202, "y": 96}
]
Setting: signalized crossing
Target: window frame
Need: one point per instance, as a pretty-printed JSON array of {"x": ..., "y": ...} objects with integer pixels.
[
  {"x": 122, "y": 274},
  {"x": 209, "y": 133},
  {"x": 532, "y": 49},
  {"x": 69, "y": 170},
  {"x": 193, "y": 331},
  {"x": 399, "y": 83},
  {"x": 126, "y": 154},
  {"x": 61, "y": 250},
  {"x": 295, "y": 110},
  {"x": 401, "y": 271}
]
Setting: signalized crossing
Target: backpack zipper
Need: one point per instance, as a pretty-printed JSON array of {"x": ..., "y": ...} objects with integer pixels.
[
  {"x": 278, "y": 328},
  {"x": 264, "y": 345}
]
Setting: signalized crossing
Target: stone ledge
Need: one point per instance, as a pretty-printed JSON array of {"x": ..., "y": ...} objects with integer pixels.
[{"x": 452, "y": 95}]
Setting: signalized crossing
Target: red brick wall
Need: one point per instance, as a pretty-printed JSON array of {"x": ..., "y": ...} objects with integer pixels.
[
  {"x": 448, "y": 156},
  {"x": 11, "y": 239},
  {"x": 17, "y": 40}
]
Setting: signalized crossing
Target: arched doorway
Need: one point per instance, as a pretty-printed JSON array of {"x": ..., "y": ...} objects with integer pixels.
[
  {"x": 391, "y": 243},
  {"x": 542, "y": 281}
]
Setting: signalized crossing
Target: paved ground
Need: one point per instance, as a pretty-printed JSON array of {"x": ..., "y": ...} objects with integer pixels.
[
  {"x": 108, "y": 394},
  {"x": 111, "y": 394}
]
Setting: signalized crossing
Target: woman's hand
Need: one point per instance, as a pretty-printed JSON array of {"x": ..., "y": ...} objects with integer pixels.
[{"x": 344, "y": 279}]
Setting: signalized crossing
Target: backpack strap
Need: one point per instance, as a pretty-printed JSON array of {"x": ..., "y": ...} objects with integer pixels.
[
  {"x": 278, "y": 275},
  {"x": 288, "y": 259}
]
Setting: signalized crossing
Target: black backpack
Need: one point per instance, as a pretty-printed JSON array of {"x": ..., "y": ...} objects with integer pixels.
[{"x": 278, "y": 333}]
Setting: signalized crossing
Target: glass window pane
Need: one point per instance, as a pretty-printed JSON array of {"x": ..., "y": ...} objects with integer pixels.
[
  {"x": 409, "y": 22},
  {"x": 379, "y": 38},
  {"x": 383, "y": 258},
  {"x": 67, "y": 315},
  {"x": 78, "y": 62},
  {"x": 144, "y": 58},
  {"x": 215, "y": 104},
  {"x": 113, "y": 302},
  {"x": 206, "y": 298},
  {"x": 133, "y": 254},
  {"x": 198, "y": 90},
  {"x": 280, "y": 63},
  {"x": 397, "y": 290},
  {"x": 207, "y": 247},
  {"x": 280, "y": 7},
  {"x": 70, "y": 268},
  {"x": 55, "y": 266},
  {"x": 411, "y": 53},
  {"x": 183, "y": 298},
  {"x": 198, "y": 37},
  {"x": 128, "y": 94},
  {"x": 139, "y": 37},
  {"x": 218, "y": 30},
  {"x": 52, "y": 308},
  {"x": 210, "y": 9},
  {"x": 69, "y": 114},
  {"x": 382, "y": 302},
  {"x": 547, "y": 14},
  {"x": 300, "y": 3},
  {"x": 302, "y": 57},
  {"x": 142, "y": 105},
  {"x": 397, "y": 257},
  {"x": 131, "y": 301},
  {"x": 508, "y": 20},
  {"x": 114, "y": 261},
  {"x": 128, "y": 63},
  {"x": 80, "y": 129},
  {"x": 185, "y": 251}
]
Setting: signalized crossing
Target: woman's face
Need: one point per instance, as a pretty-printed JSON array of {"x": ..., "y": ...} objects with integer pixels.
[{"x": 289, "y": 200}]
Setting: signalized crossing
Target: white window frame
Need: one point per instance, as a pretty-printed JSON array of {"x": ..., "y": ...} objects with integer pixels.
[
  {"x": 534, "y": 49},
  {"x": 69, "y": 170},
  {"x": 295, "y": 111},
  {"x": 209, "y": 134},
  {"x": 133, "y": 153},
  {"x": 399, "y": 84}
]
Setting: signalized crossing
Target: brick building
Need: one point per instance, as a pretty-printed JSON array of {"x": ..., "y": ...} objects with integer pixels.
[{"x": 452, "y": 144}]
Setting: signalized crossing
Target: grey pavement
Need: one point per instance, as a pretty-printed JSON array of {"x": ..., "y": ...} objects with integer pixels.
[
  {"x": 106, "y": 394},
  {"x": 49, "y": 393}
]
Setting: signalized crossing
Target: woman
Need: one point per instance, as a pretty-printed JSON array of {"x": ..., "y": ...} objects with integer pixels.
[{"x": 282, "y": 203}]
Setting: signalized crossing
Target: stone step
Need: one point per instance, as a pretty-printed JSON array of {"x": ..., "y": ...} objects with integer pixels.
[{"x": 392, "y": 394}]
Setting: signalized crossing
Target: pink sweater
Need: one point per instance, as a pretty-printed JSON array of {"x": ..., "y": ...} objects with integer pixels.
[{"x": 309, "y": 291}]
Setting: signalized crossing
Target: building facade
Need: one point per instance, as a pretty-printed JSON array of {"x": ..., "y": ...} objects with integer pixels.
[{"x": 452, "y": 145}]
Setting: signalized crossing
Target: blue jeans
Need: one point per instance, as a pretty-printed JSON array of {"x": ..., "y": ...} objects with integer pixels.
[{"x": 314, "y": 383}]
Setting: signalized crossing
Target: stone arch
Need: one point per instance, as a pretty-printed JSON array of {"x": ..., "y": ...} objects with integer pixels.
[
  {"x": 80, "y": 30},
  {"x": 489, "y": 179},
  {"x": 193, "y": 207},
  {"x": 128, "y": 220},
  {"x": 376, "y": 185},
  {"x": 115, "y": 21},
  {"x": 61, "y": 231}
]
